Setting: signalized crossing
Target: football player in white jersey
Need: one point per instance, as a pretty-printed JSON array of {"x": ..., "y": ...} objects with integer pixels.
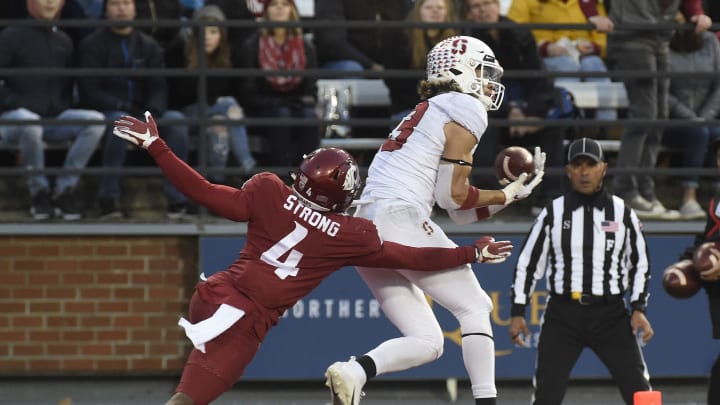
[{"x": 427, "y": 159}]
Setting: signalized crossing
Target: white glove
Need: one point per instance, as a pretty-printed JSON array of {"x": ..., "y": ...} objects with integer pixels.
[
  {"x": 518, "y": 190},
  {"x": 539, "y": 160},
  {"x": 135, "y": 131}
]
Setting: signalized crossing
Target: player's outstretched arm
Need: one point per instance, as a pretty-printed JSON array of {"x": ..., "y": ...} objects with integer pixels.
[
  {"x": 216, "y": 197},
  {"x": 395, "y": 255}
]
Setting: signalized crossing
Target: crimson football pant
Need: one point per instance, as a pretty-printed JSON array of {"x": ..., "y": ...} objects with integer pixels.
[
  {"x": 208, "y": 375},
  {"x": 567, "y": 328}
]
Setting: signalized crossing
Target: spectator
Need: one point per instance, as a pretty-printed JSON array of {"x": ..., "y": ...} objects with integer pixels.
[
  {"x": 409, "y": 51},
  {"x": 115, "y": 96},
  {"x": 710, "y": 278},
  {"x": 37, "y": 97},
  {"x": 645, "y": 50},
  {"x": 239, "y": 10},
  {"x": 355, "y": 49},
  {"x": 281, "y": 48},
  {"x": 352, "y": 50},
  {"x": 154, "y": 10},
  {"x": 220, "y": 103},
  {"x": 590, "y": 248},
  {"x": 92, "y": 8},
  {"x": 566, "y": 50},
  {"x": 297, "y": 236},
  {"x": 71, "y": 10},
  {"x": 693, "y": 99},
  {"x": 525, "y": 99}
]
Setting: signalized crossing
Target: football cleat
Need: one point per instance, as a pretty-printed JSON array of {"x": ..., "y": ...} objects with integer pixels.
[{"x": 345, "y": 388}]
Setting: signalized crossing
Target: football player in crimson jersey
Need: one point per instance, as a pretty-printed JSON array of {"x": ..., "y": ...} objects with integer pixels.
[
  {"x": 427, "y": 159},
  {"x": 296, "y": 237},
  {"x": 710, "y": 278}
]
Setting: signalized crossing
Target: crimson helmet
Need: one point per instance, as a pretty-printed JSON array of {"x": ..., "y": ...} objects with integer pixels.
[
  {"x": 328, "y": 179},
  {"x": 471, "y": 64}
]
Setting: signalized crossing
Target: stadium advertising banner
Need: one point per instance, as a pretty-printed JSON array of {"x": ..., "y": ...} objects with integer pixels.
[{"x": 341, "y": 318}]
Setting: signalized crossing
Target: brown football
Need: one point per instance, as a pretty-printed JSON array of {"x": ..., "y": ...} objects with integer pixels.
[
  {"x": 513, "y": 161},
  {"x": 706, "y": 255},
  {"x": 680, "y": 280}
]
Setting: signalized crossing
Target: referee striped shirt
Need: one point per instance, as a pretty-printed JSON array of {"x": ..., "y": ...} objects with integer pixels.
[{"x": 584, "y": 244}]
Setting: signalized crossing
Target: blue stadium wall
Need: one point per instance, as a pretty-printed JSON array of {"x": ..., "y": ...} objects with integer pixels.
[{"x": 341, "y": 318}]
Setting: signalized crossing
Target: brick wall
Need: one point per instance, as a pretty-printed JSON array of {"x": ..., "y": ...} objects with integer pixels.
[{"x": 94, "y": 304}]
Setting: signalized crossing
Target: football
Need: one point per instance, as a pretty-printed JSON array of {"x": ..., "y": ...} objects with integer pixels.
[
  {"x": 513, "y": 161},
  {"x": 706, "y": 256},
  {"x": 680, "y": 280}
]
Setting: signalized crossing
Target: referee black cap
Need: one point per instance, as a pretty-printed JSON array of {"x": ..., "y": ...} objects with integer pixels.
[{"x": 585, "y": 147}]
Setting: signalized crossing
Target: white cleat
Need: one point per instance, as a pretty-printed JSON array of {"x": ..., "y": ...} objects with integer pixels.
[{"x": 344, "y": 387}]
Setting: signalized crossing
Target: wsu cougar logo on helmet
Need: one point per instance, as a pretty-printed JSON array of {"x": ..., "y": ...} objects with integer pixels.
[
  {"x": 352, "y": 177},
  {"x": 328, "y": 179}
]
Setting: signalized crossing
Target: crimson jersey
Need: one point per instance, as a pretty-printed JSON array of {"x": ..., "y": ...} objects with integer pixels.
[{"x": 290, "y": 248}]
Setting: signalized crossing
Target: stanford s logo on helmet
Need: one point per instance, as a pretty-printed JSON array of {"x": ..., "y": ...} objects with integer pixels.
[
  {"x": 328, "y": 179},
  {"x": 471, "y": 64}
]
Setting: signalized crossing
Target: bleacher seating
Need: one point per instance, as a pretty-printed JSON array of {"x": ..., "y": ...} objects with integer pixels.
[{"x": 373, "y": 92}]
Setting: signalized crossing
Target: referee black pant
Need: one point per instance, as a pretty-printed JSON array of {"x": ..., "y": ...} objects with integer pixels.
[{"x": 568, "y": 327}]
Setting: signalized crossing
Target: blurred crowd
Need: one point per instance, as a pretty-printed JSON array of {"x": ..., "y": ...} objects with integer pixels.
[{"x": 210, "y": 44}]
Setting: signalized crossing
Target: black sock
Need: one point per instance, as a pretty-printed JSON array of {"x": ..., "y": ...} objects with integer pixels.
[
  {"x": 368, "y": 365},
  {"x": 485, "y": 401}
]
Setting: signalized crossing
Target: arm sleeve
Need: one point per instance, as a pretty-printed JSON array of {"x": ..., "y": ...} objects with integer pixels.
[
  {"x": 8, "y": 98},
  {"x": 711, "y": 106},
  {"x": 679, "y": 110},
  {"x": 589, "y": 8},
  {"x": 156, "y": 85},
  {"x": 639, "y": 264},
  {"x": 395, "y": 255},
  {"x": 226, "y": 201},
  {"x": 519, "y": 11},
  {"x": 711, "y": 232},
  {"x": 530, "y": 265},
  {"x": 92, "y": 91},
  {"x": 309, "y": 84},
  {"x": 692, "y": 7}
]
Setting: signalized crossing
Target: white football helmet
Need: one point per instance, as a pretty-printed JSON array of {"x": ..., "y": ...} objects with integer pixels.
[{"x": 471, "y": 64}]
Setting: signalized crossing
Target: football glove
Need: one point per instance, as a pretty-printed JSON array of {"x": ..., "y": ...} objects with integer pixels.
[
  {"x": 487, "y": 250},
  {"x": 518, "y": 190},
  {"x": 539, "y": 160},
  {"x": 133, "y": 130}
]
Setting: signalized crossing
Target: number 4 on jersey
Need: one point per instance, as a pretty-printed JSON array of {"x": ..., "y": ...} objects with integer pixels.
[{"x": 289, "y": 266}]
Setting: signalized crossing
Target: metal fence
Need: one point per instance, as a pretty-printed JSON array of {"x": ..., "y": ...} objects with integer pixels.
[{"x": 202, "y": 72}]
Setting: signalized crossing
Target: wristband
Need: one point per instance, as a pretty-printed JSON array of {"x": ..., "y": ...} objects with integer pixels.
[{"x": 471, "y": 199}]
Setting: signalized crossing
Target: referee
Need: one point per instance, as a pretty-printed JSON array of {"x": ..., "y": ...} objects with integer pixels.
[{"x": 590, "y": 246}]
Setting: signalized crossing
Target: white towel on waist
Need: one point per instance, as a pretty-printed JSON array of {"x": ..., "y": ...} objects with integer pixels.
[{"x": 208, "y": 329}]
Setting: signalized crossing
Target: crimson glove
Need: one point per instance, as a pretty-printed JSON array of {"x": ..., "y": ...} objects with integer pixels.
[
  {"x": 490, "y": 251},
  {"x": 135, "y": 131}
]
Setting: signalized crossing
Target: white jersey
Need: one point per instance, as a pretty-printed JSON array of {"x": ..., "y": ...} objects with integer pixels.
[{"x": 406, "y": 166}]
